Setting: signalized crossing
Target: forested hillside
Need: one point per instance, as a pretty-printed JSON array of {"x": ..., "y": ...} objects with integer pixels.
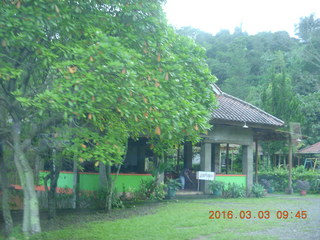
[{"x": 279, "y": 73}]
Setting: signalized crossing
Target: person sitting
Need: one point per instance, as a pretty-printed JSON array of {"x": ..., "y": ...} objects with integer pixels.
[{"x": 184, "y": 174}]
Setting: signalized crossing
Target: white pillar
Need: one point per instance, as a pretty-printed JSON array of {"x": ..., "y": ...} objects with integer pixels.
[
  {"x": 247, "y": 166},
  {"x": 205, "y": 164}
]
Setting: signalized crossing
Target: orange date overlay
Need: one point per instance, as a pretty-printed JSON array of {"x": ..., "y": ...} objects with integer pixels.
[{"x": 301, "y": 214}]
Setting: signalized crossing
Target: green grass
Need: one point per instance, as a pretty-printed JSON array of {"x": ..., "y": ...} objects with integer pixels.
[{"x": 189, "y": 219}]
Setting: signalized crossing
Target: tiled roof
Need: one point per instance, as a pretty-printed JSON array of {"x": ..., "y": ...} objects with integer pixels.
[
  {"x": 315, "y": 148},
  {"x": 234, "y": 109}
]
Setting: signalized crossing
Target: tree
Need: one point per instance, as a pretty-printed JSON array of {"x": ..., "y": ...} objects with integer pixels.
[
  {"x": 139, "y": 94},
  {"x": 4, "y": 184},
  {"x": 309, "y": 32},
  {"x": 108, "y": 69},
  {"x": 311, "y": 111}
]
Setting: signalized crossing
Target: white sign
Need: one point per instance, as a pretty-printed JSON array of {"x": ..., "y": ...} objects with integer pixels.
[{"x": 205, "y": 175}]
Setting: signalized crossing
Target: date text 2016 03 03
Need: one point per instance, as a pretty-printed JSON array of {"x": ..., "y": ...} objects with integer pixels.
[{"x": 281, "y": 214}]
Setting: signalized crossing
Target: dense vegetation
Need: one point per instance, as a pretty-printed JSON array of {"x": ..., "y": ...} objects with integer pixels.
[
  {"x": 78, "y": 79},
  {"x": 274, "y": 71}
]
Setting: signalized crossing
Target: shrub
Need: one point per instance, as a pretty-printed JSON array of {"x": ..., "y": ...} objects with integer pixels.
[
  {"x": 97, "y": 199},
  {"x": 258, "y": 190},
  {"x": 148, "y": 189},
  {"x": 279, "y": 178},
  {"x": 265, "y": 183},
  {"x": 315, "y": 185},
  {"x": 234, "y": 190},
  {"x": 302, "y": 185},
  {"x": 173, "y": 184},
  {"x": 217, "y": 187}
]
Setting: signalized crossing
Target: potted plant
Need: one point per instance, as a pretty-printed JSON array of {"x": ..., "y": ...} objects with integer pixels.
[
  {"x": 303, "y": 187},
  {"x": 173, "y": 185},
  {"x": 217, "y": 188}
]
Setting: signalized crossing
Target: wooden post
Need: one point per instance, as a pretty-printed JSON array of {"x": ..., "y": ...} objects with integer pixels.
[
  {"x": 227, "y": 158},
  {"x": 76, "y": 177}
]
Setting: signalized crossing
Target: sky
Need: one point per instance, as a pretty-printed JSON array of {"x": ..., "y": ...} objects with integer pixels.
[{"x": 253, "y": 15}]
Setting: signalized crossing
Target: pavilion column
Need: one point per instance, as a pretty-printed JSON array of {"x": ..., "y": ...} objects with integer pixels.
[
  {"x": 247, "y": 166},
  {"x": 216, "y": 159},
  {"x": 187, "y": 155},
  {"x": 205, "y": 164},
  {"x": 257, "y": 161}
]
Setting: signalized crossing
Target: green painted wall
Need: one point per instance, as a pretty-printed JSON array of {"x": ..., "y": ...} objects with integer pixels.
[
  {"x": 90, "y": 181},
  {"x": 238, "y": 179}
]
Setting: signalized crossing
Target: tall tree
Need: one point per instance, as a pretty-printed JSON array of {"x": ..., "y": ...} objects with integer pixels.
[
  {"x": 112, "y": 69},
  {"x": 4, "y": 183}
]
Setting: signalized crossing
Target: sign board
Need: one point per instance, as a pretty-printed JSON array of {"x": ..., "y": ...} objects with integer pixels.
[{"x": 205, "y": 175}]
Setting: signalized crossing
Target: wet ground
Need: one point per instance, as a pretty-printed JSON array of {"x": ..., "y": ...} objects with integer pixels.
[{"x": 308, "y": 229}]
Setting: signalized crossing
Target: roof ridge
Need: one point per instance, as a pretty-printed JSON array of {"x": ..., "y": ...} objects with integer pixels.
[
  {"x": 310, "y": 146},
  {"x": 252, "y": 106},
  {"x": 216, "y": 89}
]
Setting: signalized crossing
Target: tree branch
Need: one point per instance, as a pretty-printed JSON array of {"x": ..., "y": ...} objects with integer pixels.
[{"x": 38, "y": 128}]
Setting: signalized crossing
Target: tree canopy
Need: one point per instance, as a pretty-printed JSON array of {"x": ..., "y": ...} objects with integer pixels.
[
  {"x": 247, "y": 66},
  {"x": 95, "y": 73}
]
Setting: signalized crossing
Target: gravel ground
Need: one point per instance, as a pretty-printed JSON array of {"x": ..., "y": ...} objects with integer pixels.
[{"x": 306, "y": 229}]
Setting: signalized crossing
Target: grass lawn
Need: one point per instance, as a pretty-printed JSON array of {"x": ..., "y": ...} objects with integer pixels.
[{"x": 189, "y": 219}]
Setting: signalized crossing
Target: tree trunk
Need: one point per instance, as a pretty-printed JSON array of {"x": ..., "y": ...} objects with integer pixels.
[
  {"x": 8, "y": 224},
  {"x": 38, "y": 166},
  {"x": 159, "y": 172},
  {"x": 110, "y": 188},
  {"x": 31, "y": 220},
  {"x": 103, "y": 181},
  {"x": 52, "y": 195},
  {"x": 76, "y": 202}
]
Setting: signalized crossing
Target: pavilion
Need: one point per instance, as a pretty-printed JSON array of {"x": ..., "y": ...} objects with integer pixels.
[{"x": 235, "y": 122}]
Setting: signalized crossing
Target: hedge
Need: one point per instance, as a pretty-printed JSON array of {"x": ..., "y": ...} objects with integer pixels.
[{"x": 279, "y": 178}]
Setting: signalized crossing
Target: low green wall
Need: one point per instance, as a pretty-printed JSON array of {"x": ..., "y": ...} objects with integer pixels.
[
  {"x": 238, "y": 179},
  {"x": 90, "y": 181}
]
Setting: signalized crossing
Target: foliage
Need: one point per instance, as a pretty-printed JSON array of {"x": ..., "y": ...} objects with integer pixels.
[
  {"x": 267, "y": 184},
  {"x": 96, "y": 73},
  {"x": 217, "y": 186},
  {"x": 311, "y": 111},
  {"x": 258, "y": 190},
  {"x": 150, "y": 190},
  {"x": 234, "y": 190},
  {"x": 279, "y": 178},
  {"x": 280, "y": 100},
  {"x": 247, "y": 65},
  {"x": 97, "y": 199},
  {"x": 173, "y": 184},
  {"x": 302, "y": 185}
]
